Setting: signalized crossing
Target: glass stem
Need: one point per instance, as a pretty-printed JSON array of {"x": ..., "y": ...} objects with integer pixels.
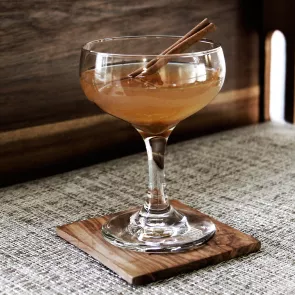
[{"x": 156, "y": 201}]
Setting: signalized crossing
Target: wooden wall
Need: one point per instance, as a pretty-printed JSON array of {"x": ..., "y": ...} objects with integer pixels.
[{"x": 47, "y": 125}]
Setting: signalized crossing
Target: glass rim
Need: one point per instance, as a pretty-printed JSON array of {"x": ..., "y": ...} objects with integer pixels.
[{"x": 216, "y": 47}]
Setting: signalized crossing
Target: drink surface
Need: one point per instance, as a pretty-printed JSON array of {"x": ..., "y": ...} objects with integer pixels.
[{"x": 156, "y": 102}]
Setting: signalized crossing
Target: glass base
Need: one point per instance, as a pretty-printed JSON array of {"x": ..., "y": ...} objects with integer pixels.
[{"x": 170, "y": 231}]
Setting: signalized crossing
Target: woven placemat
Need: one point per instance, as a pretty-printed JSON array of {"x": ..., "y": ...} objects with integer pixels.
[{"x": 244, "y": 178}]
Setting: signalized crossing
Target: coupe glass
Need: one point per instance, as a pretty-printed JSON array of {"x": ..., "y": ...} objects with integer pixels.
[{"x": 154, "y": 104}]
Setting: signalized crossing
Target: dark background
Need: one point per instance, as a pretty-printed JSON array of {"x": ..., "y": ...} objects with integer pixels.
[
  {"x": 41, "y": 41},
  {"x": 46, "y": 123}
]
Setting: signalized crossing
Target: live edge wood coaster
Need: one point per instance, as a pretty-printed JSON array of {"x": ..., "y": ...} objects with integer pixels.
[{"x": 142, "y": 268}]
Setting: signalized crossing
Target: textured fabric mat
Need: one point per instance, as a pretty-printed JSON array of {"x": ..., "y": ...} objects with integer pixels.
[{"x": 244, "y": 177}]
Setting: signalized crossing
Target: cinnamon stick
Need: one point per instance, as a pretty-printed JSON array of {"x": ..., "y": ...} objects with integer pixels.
[
  {"x": 193, "y": 36},
  {"x": 198, "y": 27}
]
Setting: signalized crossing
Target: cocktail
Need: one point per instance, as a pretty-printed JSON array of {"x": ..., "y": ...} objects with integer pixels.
[{"x": 128, "y": 78}]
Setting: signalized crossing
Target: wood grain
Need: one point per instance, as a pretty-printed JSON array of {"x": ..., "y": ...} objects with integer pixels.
[
  {"x": 142, "y": 268},
  {"x": 51, "y": 148},
  {"x": 40, "y": 43},
  {"x": 267, "y": 68}
]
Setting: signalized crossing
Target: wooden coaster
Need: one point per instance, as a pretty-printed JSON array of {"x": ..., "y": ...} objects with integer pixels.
[{"x": 142, "y": 268}]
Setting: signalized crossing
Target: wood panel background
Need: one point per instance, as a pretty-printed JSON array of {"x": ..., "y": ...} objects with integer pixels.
[{"x": 46, "y": 123}]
